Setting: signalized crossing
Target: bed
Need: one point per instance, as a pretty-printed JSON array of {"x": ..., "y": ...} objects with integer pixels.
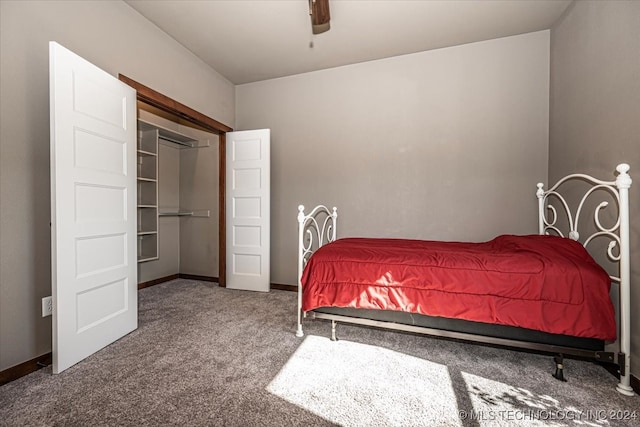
[{"x": 541, "y": 292}]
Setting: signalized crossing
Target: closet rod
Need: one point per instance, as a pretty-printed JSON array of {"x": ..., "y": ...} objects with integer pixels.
[
  {"x": 175, "y": 214},
  {"x": 175, "y": 141},
  {"x": 196, "y": 214}
]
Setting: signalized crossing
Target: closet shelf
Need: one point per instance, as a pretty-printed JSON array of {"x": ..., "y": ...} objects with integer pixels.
[
  {"x": 147, "y": 176},
  {"x": 146, "y": 153}
]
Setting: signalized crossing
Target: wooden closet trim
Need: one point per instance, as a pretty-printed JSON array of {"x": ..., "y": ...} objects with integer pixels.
[
  {"x": 158, "y": 100},
  {"x": 163, "y": 102}
]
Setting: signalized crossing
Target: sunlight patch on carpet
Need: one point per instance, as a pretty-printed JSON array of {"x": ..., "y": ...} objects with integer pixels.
[
  {"x": 499, "y": 404},
  {"x": 355, "y": 384}
]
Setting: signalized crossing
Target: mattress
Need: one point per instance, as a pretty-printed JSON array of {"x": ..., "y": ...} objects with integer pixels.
[{"x": 543, "y": 283}]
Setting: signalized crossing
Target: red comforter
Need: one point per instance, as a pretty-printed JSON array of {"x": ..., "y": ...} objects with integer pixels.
[{"x": 546, "y": 283}]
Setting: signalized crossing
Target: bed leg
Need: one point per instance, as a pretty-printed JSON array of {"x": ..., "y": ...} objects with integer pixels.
[
  {"x": 333, "y": 330},
  {"x": 624, "y": 387},
  {"x": 559, "y": 374},
  {"x": 299, "y": 332}
]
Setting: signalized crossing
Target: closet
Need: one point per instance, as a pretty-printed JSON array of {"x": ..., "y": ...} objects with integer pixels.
[
  {"x": 177, "y": 203},
  {"x": 198, "y": 257}
]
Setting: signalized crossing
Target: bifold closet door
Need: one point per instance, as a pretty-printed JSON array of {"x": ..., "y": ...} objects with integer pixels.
[
  {"x": 248, "y": 209},
  {"x": 93, "y": 207}
]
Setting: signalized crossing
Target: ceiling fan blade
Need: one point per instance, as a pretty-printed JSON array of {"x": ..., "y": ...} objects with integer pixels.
[{"x": 320, "y": 16}]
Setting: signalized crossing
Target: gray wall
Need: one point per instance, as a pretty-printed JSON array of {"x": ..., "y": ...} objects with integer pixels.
[
  {"x": 199, "y": 186},
  {"x": 595, "y": 109},
  {"x": 446, "y": 144},
  {"x": 119, "y": 40}
]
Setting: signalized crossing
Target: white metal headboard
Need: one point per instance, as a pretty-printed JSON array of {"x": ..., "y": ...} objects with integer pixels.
[
  {"x": 618, "y": 235},
  {"x": 314, "y": 230}
]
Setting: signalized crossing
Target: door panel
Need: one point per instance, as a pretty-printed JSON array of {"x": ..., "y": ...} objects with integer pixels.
[
  {"x": 93, "y": 202},
  {"x": 248, "y": 206}
]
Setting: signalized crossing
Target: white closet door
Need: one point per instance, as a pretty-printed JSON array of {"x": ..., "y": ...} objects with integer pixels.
[
  {"x": 247, "y": 210},
  {"x": 93, "y": 207}
]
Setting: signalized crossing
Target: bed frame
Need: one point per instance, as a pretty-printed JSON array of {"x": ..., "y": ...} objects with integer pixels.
[{"x": 319, "y": 227}]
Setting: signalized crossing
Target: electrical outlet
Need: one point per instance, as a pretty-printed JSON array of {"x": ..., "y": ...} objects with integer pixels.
[{"x": 47, "y": 306}]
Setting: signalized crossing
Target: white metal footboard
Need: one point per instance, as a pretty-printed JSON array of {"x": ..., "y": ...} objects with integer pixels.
[
  {"x": 314, "y": 230},
  {"x": 617, "y": 249}
]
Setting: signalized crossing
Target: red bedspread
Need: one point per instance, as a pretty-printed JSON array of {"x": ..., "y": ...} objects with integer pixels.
[{"x": 546, "y": 283}]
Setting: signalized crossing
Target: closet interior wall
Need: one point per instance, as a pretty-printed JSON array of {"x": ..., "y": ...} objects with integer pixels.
[{"x": 187, "y": 182}]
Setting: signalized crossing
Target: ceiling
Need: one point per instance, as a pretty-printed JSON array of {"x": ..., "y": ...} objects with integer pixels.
[{"x": 249, "y": 41}]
